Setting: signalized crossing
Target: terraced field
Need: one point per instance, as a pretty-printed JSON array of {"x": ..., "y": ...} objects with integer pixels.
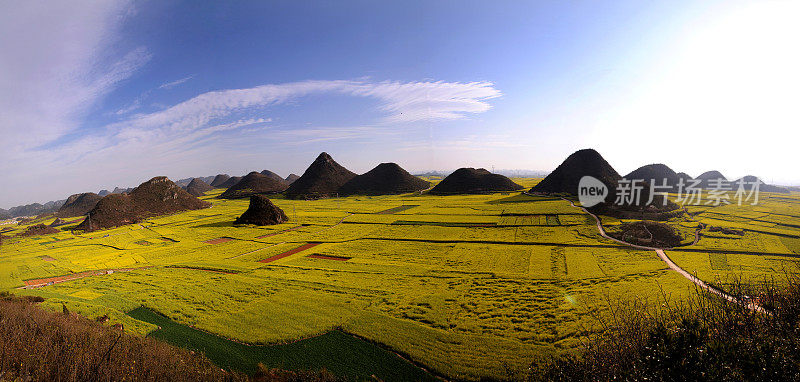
[
  {"x": 768, "y": 248},
  {"x": 466, "y": 286}
]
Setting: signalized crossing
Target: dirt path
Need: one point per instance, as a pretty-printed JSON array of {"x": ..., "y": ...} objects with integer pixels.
[
  {"x": 38, "y": 283},
  {"x": 671, "y": 264}
]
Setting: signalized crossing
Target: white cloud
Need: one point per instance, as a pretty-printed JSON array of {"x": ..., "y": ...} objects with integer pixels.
[
  {"x": 55, "y": 65},
  {"x": 414, "y": 101},
  {"x": 187, "y": 132},
  {"x": 137, "y": 103},
  {"x": 206, "y": 114},
  {"x": 405, "y": 102},
  {"x": 296, "y": 137},
  {"x": 170, "y": 85},
  {"x": 59, "y": 60}
]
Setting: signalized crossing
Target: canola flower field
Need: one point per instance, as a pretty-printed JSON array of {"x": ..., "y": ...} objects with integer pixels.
[{"x": 469, "y": 286}]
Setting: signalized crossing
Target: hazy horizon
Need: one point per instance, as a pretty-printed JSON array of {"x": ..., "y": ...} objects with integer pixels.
[
  {"x": 418, "y": 171},
  {"x": 95, "y": 95}
]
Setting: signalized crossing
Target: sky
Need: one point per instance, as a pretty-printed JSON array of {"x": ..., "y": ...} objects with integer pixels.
[{"x": 98, "y": 94}]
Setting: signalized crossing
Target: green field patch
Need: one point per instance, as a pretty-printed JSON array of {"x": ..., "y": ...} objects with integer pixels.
[
  {"x": 395, "y": 210},
  {"x": 553, "y": 220},
  {"x": 719, "y": 261},
  {"x": 444, "y": 224},
  {"x": 143, "y": 242},
  {"x": 335, "y": 351},
  {"x": 792, "y": 244}
]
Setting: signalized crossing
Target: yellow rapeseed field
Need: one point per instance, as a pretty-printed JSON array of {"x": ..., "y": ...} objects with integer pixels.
[{"x": 470, "y": 286}]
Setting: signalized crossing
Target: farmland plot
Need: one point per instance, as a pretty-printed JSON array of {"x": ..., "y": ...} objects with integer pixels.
[{"x": 468, "y": 285}]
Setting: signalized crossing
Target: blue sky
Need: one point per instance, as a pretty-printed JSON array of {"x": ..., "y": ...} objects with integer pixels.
[{"x": 111, "y": 93}]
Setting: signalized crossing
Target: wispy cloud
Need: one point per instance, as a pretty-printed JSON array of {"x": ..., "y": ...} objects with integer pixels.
[
  {"x": 137, "y": 103},
  {"x": 210, "y": 113},
  {"x": 405, "y": 102},
  {"x": 52, "y": 76},
  {"x": 170, "y": 85},
  {"x": 414, "y": 101},
  {"x": 187, "y": 131}
]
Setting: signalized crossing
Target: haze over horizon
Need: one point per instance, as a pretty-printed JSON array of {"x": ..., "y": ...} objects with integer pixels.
[{"x": 101, "y": 94}]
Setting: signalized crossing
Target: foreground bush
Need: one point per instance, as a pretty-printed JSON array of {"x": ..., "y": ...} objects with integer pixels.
[
  {"x": 39, "y": 345},
  {"x": 708, "y": 339}
]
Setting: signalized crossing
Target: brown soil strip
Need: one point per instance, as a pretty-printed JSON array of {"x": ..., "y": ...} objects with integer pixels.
[
  {"x": 280, "y": 232},
  {"x": 47, "y": 258},
  {"x": 254, "y": 251},
  {"x": 38, "y": 283},
  {"x": 290, "y": 252},
  {"x": 328, "y": 257},
  {"x": 218, "y": 240}
]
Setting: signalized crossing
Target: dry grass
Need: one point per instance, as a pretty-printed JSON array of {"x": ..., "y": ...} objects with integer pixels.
[{"x": 39, "y": 345}]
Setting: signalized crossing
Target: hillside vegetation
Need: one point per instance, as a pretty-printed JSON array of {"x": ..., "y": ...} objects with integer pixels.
[
  {"x": 703, "y": 339},
  {"x": 40, "y": 345}
]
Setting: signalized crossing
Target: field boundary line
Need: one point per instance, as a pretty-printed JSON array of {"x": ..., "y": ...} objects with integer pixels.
[
  {"x": 260, "y": 249},
  {"x": 349, "y": 214}
]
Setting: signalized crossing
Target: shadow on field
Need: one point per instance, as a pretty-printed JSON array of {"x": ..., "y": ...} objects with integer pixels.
[{"x": 335, "y": 351}]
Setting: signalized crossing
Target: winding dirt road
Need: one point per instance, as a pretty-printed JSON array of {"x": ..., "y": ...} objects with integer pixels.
[{"x": 671, "y": 264}]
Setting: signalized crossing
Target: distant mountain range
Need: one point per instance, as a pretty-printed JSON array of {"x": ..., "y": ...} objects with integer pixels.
[
  {"x": 504, "y": 172},
  {"x": 32, "y": 209},
  {"x": 339, "y": 175}
]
